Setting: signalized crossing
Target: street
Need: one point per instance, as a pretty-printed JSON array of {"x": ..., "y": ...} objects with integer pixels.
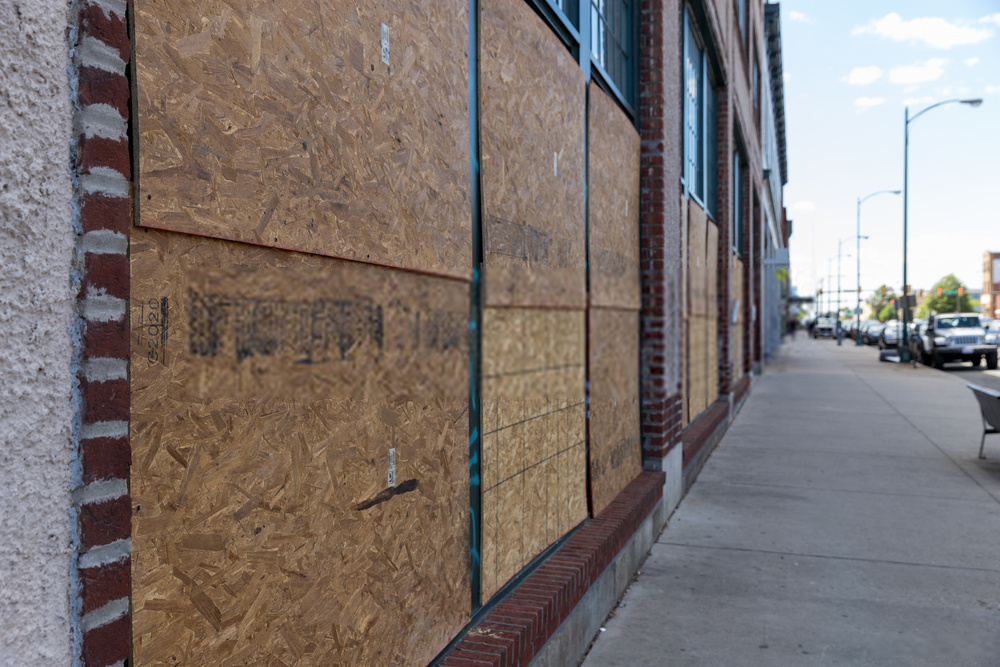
[{"x": 844, "y": 519}]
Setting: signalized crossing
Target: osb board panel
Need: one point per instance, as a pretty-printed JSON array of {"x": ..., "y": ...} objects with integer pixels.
[
  {"x": 613, "y": 153},
  {"x": 712, "y": 320},
  {"x": 533, "y": 103},
  {"x": 685, "y": 310},
  {"x": 698, "y": 364},
  {"x": 697, "y": 261},
  {"x": 278, "y": 123},
  {"x": 534, "y": 466},
  {"x": 268, "y": 389},
  {"x": 615, "y": 450}
]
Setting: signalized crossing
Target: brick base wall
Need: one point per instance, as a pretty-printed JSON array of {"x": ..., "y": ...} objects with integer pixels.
[{"x": 102, "y": 165}]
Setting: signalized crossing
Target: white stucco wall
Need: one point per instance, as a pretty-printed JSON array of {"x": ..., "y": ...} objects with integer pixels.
[{"x": 36, "y": 313}]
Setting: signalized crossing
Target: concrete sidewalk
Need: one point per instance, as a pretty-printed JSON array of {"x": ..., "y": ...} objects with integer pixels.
[{"x": 844, "y": 519}]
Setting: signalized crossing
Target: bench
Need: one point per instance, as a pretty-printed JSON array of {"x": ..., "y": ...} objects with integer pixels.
[{"x": 989, "y": 407}]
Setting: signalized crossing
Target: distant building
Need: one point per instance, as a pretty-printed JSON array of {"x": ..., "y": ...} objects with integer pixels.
[{"x": 990, "y": 299}]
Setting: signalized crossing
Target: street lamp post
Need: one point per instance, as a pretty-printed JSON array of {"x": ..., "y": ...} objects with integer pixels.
[
  {"x": 857, "y": 313},
  {"x": 904, "y": 349},
  {"x": 839, "y": 244}
]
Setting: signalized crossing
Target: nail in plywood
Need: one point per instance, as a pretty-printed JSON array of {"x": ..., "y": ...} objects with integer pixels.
[
  {"x": 267, "y": 390},
  {"x": 534, "y": 435},
  {"x": 615, "y": 450},
  {"x": 532, "y": 107},
  {"x": 613, "y": 154},
  {"x": 279, "y": 124}
]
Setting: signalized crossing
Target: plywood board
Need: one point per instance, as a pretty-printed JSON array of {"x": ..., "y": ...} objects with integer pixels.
[
  {"x": 613, "y": 154},
  {"x": 532, "y": 108},
  {"x": 286, "y": 124},
  {"x": 712, "y": 318},
  {"x": 534, "y": 419},
  {"x": 615, "y": 449},
  {"x": 270, "y": 393},
  {"x": 685, "y": 311}
]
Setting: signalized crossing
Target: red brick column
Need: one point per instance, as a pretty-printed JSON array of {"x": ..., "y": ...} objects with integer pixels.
[
  {"x": 103, "y": 192},
  {"x": 659, "y": 229}
]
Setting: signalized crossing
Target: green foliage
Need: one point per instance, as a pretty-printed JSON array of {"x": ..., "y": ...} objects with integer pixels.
[
  {"x": 887, "y": 313},
  {"x": 947, "y": 303},
  {"x": 879, "y": 301}
]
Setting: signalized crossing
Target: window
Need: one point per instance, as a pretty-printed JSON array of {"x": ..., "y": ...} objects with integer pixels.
[
  {"x": 742, "y": 9},
  {"x": 739, "y": 178},
  {"x": 700, "y": 134},
  {"x": 602, "y": 35},
  {"x": 611, "y": 37},
  {"x": 756, "y": 86}
]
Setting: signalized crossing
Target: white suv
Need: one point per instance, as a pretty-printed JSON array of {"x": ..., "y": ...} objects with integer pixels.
[{"x": 956, "y": 337}]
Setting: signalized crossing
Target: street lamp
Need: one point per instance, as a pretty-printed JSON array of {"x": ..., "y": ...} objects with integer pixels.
[
  {"x": 839, "y": 243},
  {"x": 857, "y": 314},
  {"x": 904, "y": 348}
]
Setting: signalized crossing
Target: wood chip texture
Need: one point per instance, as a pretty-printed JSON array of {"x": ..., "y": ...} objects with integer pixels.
[
  {"x": 268, "y": 388},
  {"x": 279, "y": 124}
]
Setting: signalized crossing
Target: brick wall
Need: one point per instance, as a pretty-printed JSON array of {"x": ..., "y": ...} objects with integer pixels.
[
  {"x": 103, "y": 192},
  {"x": 659, "y": 104}
]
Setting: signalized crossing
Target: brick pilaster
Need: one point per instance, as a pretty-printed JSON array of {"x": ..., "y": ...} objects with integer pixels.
[
  {"x": 103, "y": 171},
  {"x": 659, "y": 231}
]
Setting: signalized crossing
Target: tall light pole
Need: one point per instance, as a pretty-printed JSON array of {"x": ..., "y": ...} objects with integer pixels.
[
  {"x": 857, "y": 310},
  {"x": 839, "y": 244},
  {"x": 904, "y": 348}
]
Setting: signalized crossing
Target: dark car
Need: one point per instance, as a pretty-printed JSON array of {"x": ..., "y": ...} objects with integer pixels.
[
  {"x": 890, "y": 335},
  {"x": 870, "y": 332}
]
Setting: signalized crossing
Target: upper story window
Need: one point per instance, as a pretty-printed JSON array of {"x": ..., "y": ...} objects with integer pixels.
[
  {"x": 612, "y": 28},
  {"x": 602, "y": 36},
  {"x": 700, "y": 131},
  {"x": 756, "y": 86},
  {"x": 744, "y": 18}
]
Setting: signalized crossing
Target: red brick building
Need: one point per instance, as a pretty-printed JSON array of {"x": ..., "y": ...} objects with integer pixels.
[{"x": 990, "y": 299}]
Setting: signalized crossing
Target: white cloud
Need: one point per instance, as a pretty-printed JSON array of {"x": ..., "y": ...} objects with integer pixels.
[
  {"x": 992, "y": 90},
  {"x": 786, "y": 77},
  {"x": 803, "y": 206},
  {"x": 802, "y": 18},
  {"x": 865, "y": 103},
  {"x": 992, "y": 18},
  {"x": 932, "y": 70},
  {"x": 971, "y": 61},
  {"x": 932, "y": 31},
  {"x": 862, "y": 76},
  {"x": 917, "y": 101}
]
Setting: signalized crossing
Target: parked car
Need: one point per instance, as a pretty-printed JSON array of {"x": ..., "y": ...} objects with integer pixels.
[
  {"x": 992, "y": 333},
  {"x": 851, "y": 329},
  {"x": 955, "y": 337},
  {"x": 825, "y": 327},
  {"x": 870, "y": 331},
  {"x": 890, "y": 335}
]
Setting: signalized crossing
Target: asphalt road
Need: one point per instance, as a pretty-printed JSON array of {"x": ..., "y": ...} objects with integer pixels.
[{"x": 963, "y": 371}]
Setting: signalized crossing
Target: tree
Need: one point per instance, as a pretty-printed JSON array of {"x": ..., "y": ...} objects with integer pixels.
[
  {"x": 887, "y": 313},
  {"x": 879, "y": 300},
  {"x": 948, "y": 303}
]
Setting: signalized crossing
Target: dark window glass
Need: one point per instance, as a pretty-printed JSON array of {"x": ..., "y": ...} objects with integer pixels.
[{"x": 611, "y": 43}]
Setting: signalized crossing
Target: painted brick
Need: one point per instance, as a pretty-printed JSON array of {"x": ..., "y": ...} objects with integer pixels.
[
  {"x": 102, "y": 585},
  {"x": 107, "y": 644},
  {"x": 105, "y": 401},
  {"x": 107, "y": 273},
  {"x": 103, "y": 523},
  {"x": 105, "y": 458},
  {"x": 106, "y": 340},
  {"x": 100, "y": 87},
  {"x": 103, "y": 152},
  {"x": 110, "y": 30}
]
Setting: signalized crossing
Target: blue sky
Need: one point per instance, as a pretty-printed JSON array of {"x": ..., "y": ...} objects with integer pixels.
[{"x": 850, "y": 69}]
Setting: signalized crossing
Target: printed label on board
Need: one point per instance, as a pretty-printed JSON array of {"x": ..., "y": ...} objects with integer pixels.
[
  {"x": 385, "y": 44},
  {"x": 392, "y": 467},
  {"x": 152, "y": 329}
]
